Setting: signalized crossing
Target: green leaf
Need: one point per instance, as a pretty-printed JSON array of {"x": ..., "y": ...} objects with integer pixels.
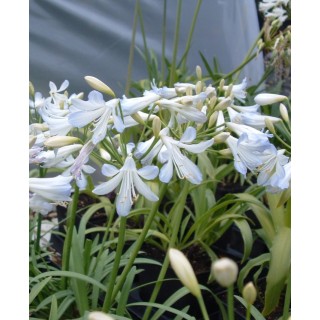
[
  {"x": 256, "y": 262},
  {"x": 279, "y": 269},
  {"x": 64, "y": 305},
  {"x": 246, "y": 234},
  {"x": 54, "y": 309},
  {"x": 36, "y": 289},
  {"x": 124, "y": 294},
  {"x": 253, "y": 310}
]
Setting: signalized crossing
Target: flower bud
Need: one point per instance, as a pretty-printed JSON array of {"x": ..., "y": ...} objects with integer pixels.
[
  {"x": 40, "y": 126},
  {"x": 199, "y": 72},
  {"x": 213, "y": 101},
  {"x": 225, "y": 152},
  {"x": 156, "y": 126},
  {"x": 249, "y": 293},
  {"x": 225, "y": 271},
  {"x": 32, "y": 140},
  {"x": 268, "y": 98},
  {"x": 189, "y": 91},
  {"x": 221, "y": 85},
  {"x": 80, "y": 95},
  {"x": 284, "y": 112},
  {"x": 270, "y": 125},
  {"x": 105, "y": 154},
  {"x": 221, "y": 137},
  {"x": 99, "y": 85},
  {"x": 224, "y": 104},
  {"x": 31, "y": 89},
  {"x": 60, "y": 141},
  {"x": 213, "y": 118},
  {"x": 228, "y": 90},
  {"x": 98, "y": 315},
  {"x": 198, "y": 87},
  {"x": 183, "y": 269},
  {"x": 136, "y": 116}
]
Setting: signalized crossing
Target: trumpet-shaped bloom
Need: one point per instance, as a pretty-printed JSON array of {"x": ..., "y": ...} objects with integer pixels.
[
  {"x": 249, "y": 153},
  {"x": 56, "y": 94},
  {"x": 238, "y": 90},
  {"x": 97, "y": 110},
  {"x": 52, "y": 189},
  {"x": 129, "y": 179},
  {"x": 251, "y": 119},
  {"x": 252, "y": 133},
  {"x": 169, "y": 153}
]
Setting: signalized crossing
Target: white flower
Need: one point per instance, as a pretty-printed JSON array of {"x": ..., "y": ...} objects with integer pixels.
[
  {"x": 97, "y": 110},
  {"x": 52, "y": 189},
  {"x": 55, "y": 92},
  {"x": 252, "y": 133},
  {"x": 163, "y": 92},
  {"x": 53, "y": 158},
  {"x": 238, "y": 90},
  {"x": 40, "y": 205},
  {"x": 133, "y": 105},
  {"x": 58, "y": 124},
  {"x": 248, "y": 152},
  {"x": 169, "y": 153},
  {"x": 45, "y": 231},
  {"x": 38, "y": 102},
  {"x": 128, "y": 177},
  {"x": 254, "y": 120},
  {"x": 130, "y": 122}
]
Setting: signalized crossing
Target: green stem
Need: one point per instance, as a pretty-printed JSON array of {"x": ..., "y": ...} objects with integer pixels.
[
  {"x": 251, "y": 49},
  {"x": 203, "y": 308},
  {"x": 139, "y": 242},
  {"x": 70, "y": 226},
  {"x": 193, "y": 24},
  {"x": 121, "y": 240},
  {"x": 175, "y": 44},
  {"x": 287, "y": 299},
  {"x": 248, "y": 311},
  {"x": 38, "y": 232},
  {"x": 175, "y": 223},
  {"x": 163, "y": 46},
  {"x": 131, "y": 54},
  {"x": 230, "y": 303}
]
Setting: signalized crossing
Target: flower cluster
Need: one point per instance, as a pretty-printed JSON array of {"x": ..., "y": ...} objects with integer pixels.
[
  {"x": 177, "y": 124},
  {"x": 275, "y": 9}
]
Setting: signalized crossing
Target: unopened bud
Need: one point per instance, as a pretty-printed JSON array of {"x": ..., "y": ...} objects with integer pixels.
[
  {"x": 105, "y": 154},
  {"x": 60, "y": 141},
  {"x": 212, "y": 102},
  {"x": 32, "y": 140},
  {"x": 189, "y": 91},
  {"x": 221, "y": 85},
  {"x": 224, "y": 104},
  {"x": 269, "y": 125},
  {"x": 199, "y": 72},
  {"x": 210, "y": 91},
  {"x": 156, "y": 126},
  {"x": 212, "y": 120},
  {"x": 268, "y": 98},
  {"x": 80, "y": 95},
  {"x": 249, "y": 293},
  {"x": 98, "y": 315},
  {"x": 228, "y": 90},
  {"x": 198, "y": 87},
  {"x": 31, "y": 89},
  {"x": 136, "y": 116},
  {"x": 221, "y": 137},
  {"x": 225, "y": 152},
  {"x": 199, "y": 105},
  {"x": 225, "y": 271},
  {"x": 99, "y": 85},
  {"x": 284, "y": 112},
  {"x": 183, "y": 269},
  {"x": 40, "y": 126}
]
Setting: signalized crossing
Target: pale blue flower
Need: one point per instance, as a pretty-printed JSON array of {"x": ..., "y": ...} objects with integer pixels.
[
  {"x": 129, "y": 179},
  {"x": 168, "y": 151}
]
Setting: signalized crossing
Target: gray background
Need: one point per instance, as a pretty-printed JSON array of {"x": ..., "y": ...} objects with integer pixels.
[{"x": 70, "y": 39}]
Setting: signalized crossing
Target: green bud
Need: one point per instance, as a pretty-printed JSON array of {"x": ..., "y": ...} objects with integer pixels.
[
  {"x": 136, "y": 116},
  {"x": 212, "y": 120},
  {"x": 284, "y": 113},
  {"x": 221, "y": 137},
  {"x": 221, "y": 85},
  {"x": 199, "y": 72},
  {"x": 223, "y": 104},
  {"x": 32, "y": 140},
  {"x": 270, "y": 125},
  {"x": 156, "y": 126},
  {"x": 31, "y": 89},
  {"x": 198, "y": 87}
]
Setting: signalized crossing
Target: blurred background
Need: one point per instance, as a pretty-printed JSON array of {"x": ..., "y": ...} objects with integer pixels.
[{"x": 74, "y": 38}]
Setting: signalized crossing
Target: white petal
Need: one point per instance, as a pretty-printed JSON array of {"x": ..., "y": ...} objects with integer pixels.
[
  {"x": 82, "y": 118},
  {"x": 96, "y": 98},
  {"x": 109, "y": 170},
  {"x": 81, "y": 181},
  {"x": 166, "y": 172},
  {"x": 86, "y": 105},
  {"x": 143, "y": 189},
  {"x": 52, "y": 86},
  {"x": 197, "y": 148},
  {"x": 189, "y": 135},
  {"x": 124, "y": 198},
  {"x": 148, "y": 172},
  {"x": 64, "y": 85},
  {"x": 109, "y": 186},
  {"x": 88, "y": 169},
  {"x": 118, "y": 123}
]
